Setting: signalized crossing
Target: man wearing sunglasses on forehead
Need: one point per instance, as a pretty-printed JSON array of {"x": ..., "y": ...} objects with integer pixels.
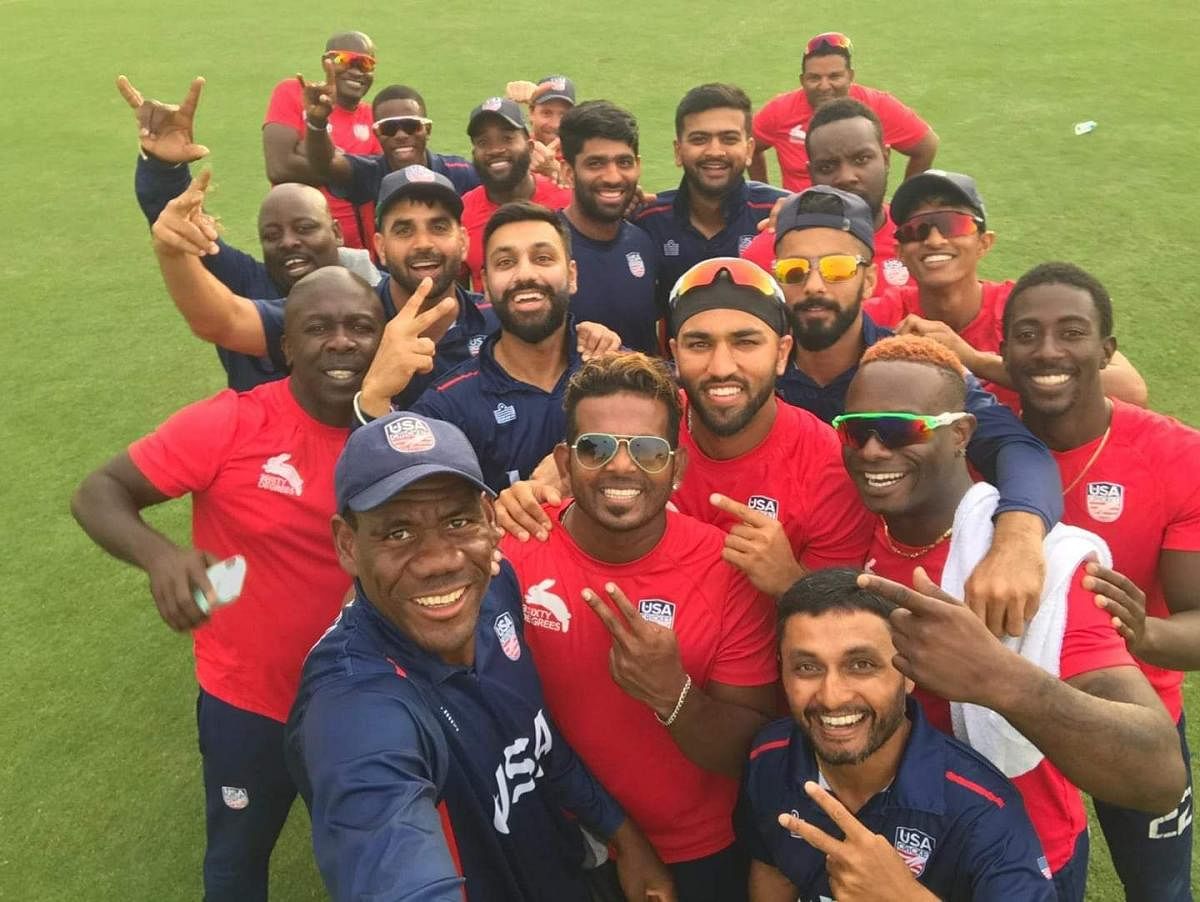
[
  {"x": 661, "y": 685},
  {"x": 826, "y": 75},
  {"x": 350, "y": 57},
  {"x": 1064, "y": 704},
  {"x": 942, "y": 233}
]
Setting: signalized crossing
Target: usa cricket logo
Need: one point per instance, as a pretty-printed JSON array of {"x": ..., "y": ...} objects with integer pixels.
[
  {"x": 915, "y": 848},
  {"x": 1105, "y": 500},
  {"x": 657, "y": 610},
  {"x": 637, "y": 265},
  {"x": 895, "y": 272},
  {"x": 506, "y": 632},
  {"x": 764, "y": 505},
  {"x": 408, "y": 435}
]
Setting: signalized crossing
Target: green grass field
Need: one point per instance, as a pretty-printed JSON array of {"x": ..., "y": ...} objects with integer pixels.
[{"x": 100, "y": 796}]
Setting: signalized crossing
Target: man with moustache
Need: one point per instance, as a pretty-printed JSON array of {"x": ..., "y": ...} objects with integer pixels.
[
  {"x": 715, "y": 212},
  {"x": 1073, "y": 709},
  {"x": 676, "y": 663},
  {"x": 259, "y": 469},
  {"x": 616, "y": 261},
  {"x": 350, "y": 57},
  {"x": 419, "y": 738},
  {"x": 845, "y": 150},
  {"x": 1130, "y": 477},
  {"x": 502, "y": 153},
  {"x": 885, "y": 806}
]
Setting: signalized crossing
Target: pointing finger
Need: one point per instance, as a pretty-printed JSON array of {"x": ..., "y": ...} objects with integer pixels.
[
  {"x": 329, "y": 73},
  {"x": 898, "y": 594},
  {"x": 188, "y": 107},
  {"x": 814, "y": 836},
  {"x": 747, "y": 515},
  {"x": 132, "y": 95}
]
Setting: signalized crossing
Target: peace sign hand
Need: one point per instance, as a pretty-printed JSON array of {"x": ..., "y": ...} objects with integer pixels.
[
  {"x": 165, "y": 129},
  {"x": 644, "y": 659},
  {"x": 318, "y": 96},
  {"x": 863, "y": 866}
]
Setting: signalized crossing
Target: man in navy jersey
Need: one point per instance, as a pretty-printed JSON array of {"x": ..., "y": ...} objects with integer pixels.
[
  {"x": 419, "y": 738},
  {"x": 617, "y": 262},
  {"x": 715, "y": 212},
  {"x": 855, "y": 795}
]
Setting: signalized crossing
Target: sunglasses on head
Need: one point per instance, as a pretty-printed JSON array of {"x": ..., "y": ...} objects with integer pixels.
[
  {"x": 410, "y": 125},
  {"x": 893, "y": 430},
  {"x": 740, "y": 272},
  {"x": 834, "y": 39},
  {"x": 832, "y": 267},
  {"x": 949, "y": 223},
  {"x": 344, "y": 59},
  {"x": 594, "y": 450}
]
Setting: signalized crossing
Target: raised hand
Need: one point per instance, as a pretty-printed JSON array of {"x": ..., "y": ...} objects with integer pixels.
[
  {"x": 318, "y": 96},
  {"x": 183, "y": 227},
  {"x": 519, "y": 509},
  {"x": 758, "y": 546},
  {"x": 165, "y": 130}
]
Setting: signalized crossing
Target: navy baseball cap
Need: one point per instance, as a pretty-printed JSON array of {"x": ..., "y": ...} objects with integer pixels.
[
  {"x": 936, "y": 183},
  {"x": 853, "y": 216},
  {"x": 502, "y": 108},
  {"x": 389, "y": 454},
  {"x": 416, "y": 181},
  {"x": 557, "y": 87}
]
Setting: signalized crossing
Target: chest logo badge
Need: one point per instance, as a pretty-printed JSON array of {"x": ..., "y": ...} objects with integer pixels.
[{"x": 1105, "y": 500}]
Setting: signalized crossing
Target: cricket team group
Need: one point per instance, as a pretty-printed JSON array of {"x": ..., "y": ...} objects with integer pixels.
[{"x": 724, "y": 543}]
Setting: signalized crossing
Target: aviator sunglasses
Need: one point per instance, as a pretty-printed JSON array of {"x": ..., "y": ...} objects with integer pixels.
[
  {"x": 364, "y": 62},
  {"x": 893, "y": 430},
  {"x": 832, "y": 267},
  {"x": 594, "y": 450},
  {"x": 949, "y": 223},
  {"x": 410, "y": 125}
]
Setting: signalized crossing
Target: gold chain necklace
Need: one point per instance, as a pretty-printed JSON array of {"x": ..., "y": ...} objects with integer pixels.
[
  {"x": 1091, "y": 460},
  {"x": 924, "y": 549}
]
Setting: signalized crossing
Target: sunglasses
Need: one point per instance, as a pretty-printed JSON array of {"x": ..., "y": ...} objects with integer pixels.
[
  {"x": 834, "y": 39},
  {"x": 893, "y": 430},
  {"x": 410, "y": 125},
  {"x": 739, "y": 271},
  {"x": 594, "y": 450},
  {"x": 344, "y": 59},
  {"x": 949, "y": 223},
  {"x": 832, "y": 267}
]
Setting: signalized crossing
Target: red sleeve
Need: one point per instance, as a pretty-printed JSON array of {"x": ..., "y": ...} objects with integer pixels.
[
  {"x": 903, "y": 129},
  {"x": 838, "y": 527},
  {"x": 285, "y": 107},
  {"x": 186, "y": 453},
  {"x": 746, "y": 655},
  {"x": 766, "y": 124},
  {"x": 1090, "y": 642},
  {"x": 1182, "y": 493},
  {"x": 761, "y": 250},
  {"x": 886, "y": 309}
]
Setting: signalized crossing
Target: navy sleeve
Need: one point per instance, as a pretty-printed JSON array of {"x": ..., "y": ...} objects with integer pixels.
[
  {"x": 1004, "y": 859},
  {"x": 157, "y": 183},
  {"x": 745, "y": 824},
  {"x": 1011, "y": 458},
  {"x": 270, "y": 311},
  {"x": 366, "y": 175},
  {"x": 372, "y": 770}
]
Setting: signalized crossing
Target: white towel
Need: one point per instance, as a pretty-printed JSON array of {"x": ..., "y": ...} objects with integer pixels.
[{"x": 1065, "y": 548}]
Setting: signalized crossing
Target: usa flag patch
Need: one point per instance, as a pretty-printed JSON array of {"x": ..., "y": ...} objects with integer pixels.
[
  {"x": 637, "y": 265},
  {"x": 506, "y": 632},
  {"x": 914, "y": 847},
  {"x": 1105, "y": 500}
]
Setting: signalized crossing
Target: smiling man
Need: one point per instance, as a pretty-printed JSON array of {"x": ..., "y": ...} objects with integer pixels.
[
  {"x": 419, "y": 738},
  {"x": 250, "y": 462}
]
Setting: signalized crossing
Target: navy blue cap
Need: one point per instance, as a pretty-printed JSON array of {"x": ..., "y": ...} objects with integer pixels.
[
  {"x": 389, "y": 454},
  {"x": 416, "y": 181},
  {"x": 556, "y": 87},
  {"x": 934, "y": 183},
  {"x": 854, "y": 215},
  {"x": 499, "y": 107}
]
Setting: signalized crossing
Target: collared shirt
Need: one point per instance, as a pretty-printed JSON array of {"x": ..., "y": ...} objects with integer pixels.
[
  {"x": 680, "y": 245},
  {"x": 511, "y": 424},
  {"x": 467, "y": 775},
  {"x": 475, "y": 321},
  {"x": 954, "y": 819}
]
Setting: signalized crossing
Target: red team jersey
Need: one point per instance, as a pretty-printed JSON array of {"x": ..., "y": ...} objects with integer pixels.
[
  {"x": 782, "y": 123},
  {"x": 726, "y": 634},
  {"x": 350, "y": 132},
  {"x": 889, "y": 270},
  {"x": 984, "y": 333},
  {"x": 1142, "y": 496},
  {"x": 1089, "y": 643},
  {"x": 478, "y": 209},
  {"x": 795, "y": 475},
  {"x": 260, "y": 473}
]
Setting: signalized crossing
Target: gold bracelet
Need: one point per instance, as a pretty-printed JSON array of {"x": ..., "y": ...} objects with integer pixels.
[{"x": 687, "y": 687}]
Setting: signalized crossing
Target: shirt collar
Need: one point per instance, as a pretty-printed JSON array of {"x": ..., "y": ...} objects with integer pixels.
[
  {"x": 470, "y": 317},
  {"x": 731, "y": 203},
  {"x": 404, "y": 649},
  {"x": 498, "y": 380}
]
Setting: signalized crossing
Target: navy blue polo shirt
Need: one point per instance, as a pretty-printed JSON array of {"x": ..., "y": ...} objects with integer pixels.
[
  {"x": 387, "y": 742},
  {"x": 955, "y": 820},
  {"x": 462, "y": 341},
  {"x": 1001, "y": 449},
  {"x": 511, "y": 424},
  {"x": 616, "y": 284},
  {"x": 367, "y": 172},
  {"x": 678, "y": 243}
]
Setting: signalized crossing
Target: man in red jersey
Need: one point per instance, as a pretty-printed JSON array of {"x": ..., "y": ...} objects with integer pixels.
[
  {"x": 502, "y": 153},
  {"x": 1130, "y": 477},
  {"x": 941, "y": 228},
  {"x": 687, "y": 640},
  {"x": 352, "y": 56},
  {"x": 259, "y": 468},
  {"x": 846, "y": 151},
  {"x": 825, "y": 76},
  {"x": 1073, "y": 708}
]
